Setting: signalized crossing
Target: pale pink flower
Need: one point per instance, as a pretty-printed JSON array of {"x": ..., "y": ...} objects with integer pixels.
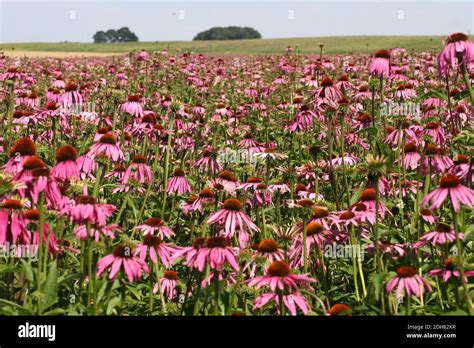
[{"x": 122, "y": 256}]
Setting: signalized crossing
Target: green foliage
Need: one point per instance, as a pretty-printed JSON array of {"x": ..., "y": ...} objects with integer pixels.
[
  {"x": 228, "y": 33},
  {"x": 332, "y": 45},
  {"x": 110, "y": 36}
]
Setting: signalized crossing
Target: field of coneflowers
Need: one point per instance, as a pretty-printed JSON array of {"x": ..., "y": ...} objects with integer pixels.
[{"x": 180, "y": 184}]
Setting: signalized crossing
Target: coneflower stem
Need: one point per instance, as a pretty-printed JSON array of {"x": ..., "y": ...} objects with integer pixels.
[
  {"x": 331, "y": 169},
  {"x": 216, "y": 292},
  {"x": 264, "y": 223},
  {"x": 461, "y": 263},
  {"x": 342, "y": 151},
  {"x": 305, "y": 251},
  {"x": 407, "y": 305},
  {"x": 324, "y": 276},
  {"x": 361, "y": 274},
  {"x": 280, "y": 299},
  {"x": 166, "y": 169},
  {"x": 40, "y": 245},
  {"x": 46, "y": 254},
  {"x": 147, "y": 194},
  {"x": 198, "y": 292},
  {"x": 160, "y": 291},
  {"x": 378, "y": 261},
  {"x": 53, "y": 128},
  {"x": 450, "y": 109},
  {"x": 373, "y": 106},
  {"x": 401, "y": 174},
  {"x": 89, "y": 265},
  {"x": 98, "y": 179},
  {"x": 354, "y": 264},
  {"x": 467, "y": 82},
  {"x": 384, "y": 118},
  {"x": 10, "y": 108},
  {"x": 440, "y": 297},
  {"x": 376, "y": 225},
  {"x": 122, "y": 208},
  {"x": 151, "y": 288}
]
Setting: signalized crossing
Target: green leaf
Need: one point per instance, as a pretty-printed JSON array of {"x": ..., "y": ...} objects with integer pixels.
[
  {"x": 461, "y": 95},
  {"x": 12, "y": 305},
  {"x": 101, "y": 292},
  {"x": 377, "y": 280},
  {"x": 28, "y": 271},
  {"x": 132, "y": 204},
  {"x": 356, "y": 196},
  {"x": 112, "y": 304},
  {"x": 7, "y": 268},
  {"x": 56, "y": 311},
  {"x": 469, "y": 235},
  {"x": 50, "y": 288},
  {"x": 456, "y": 312},
  {"x": 135, "y": 292},
  {"x": 435, "y": 94},
  {"x": 371, "y": 130}
]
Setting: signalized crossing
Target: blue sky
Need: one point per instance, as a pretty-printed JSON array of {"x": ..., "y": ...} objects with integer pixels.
[{"x": 156, "y": 20}]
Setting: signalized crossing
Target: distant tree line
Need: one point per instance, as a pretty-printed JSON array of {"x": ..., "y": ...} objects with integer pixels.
[
  {"x": 121, "y": 35},
  {"x": 228, "y": 33}
]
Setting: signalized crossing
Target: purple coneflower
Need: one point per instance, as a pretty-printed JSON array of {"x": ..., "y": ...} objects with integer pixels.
[
  {"x": 368, "y": 197},
  {"x": 71, "y": 96},
  {"x": 42, "y": 181},
  {"x": 208, "y": 161},
  {"x": 86, "y": 209},
  {"x": 12, "y": 221},
  {"x": 267, "y": 251},
  {"x": 95, "y": 231},
  {"x": 412, "y": 156},
  {"x": 450, "y": 270},
  {"x": 450, "y": 185},
  {"x": 108, "y": 147},
  {"x": 216, "y": 252},
  {"x": 458, "y": 50},
  {"x": 227, "y": 180},
  {"x": 138, "y": 171},
  {"x": 122, "y": 256},
  {"x": 442, "y": 234},
  {"x": 87, "y": 165},
  {"x": 279, "y": 275},
  {"x": 156, "y": 226},
  {"x": 178, "y": 183},
  {"x": 234, "y": 219},
  {"x": 427, "y": 216},
  {"x": 132, "y": 106},
  {"x": 380, "y": 64},
  {"x": 168, "y": 284},
  {"x": 434, "y": 130},
  {"x": 291, "y": 301},
  {"x": 21, "y": 149},
  {"x": 340, "y": 309},
  {"x": 155, "y": 247},
  {"x": 205, "y": 199},
  {"x": 408, "y": 282},
  {"x": 327, "y": 93},
  {"x": 316, "y": 237},
  {"x": 66, "y": 168}
]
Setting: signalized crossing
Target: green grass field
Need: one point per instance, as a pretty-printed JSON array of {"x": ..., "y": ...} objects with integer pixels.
[{"x": 332, "y": 45}]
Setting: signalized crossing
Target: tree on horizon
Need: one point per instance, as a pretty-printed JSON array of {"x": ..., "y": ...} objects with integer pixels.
[
  {"x": 123, "y": 34},
  {"x": 228, "y": 33}
]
